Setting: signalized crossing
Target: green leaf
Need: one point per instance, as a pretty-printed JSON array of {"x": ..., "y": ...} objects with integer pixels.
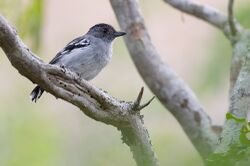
[
  {"x": 244, "y": 139},
  {"x": 231, "y": 116}
]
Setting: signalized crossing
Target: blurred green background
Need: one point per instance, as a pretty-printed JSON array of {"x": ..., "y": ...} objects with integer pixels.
[{"x": 55, "y": 133}]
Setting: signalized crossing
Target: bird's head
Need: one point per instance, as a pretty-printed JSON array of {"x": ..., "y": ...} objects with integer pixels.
[{"x": 105, "y": 32}]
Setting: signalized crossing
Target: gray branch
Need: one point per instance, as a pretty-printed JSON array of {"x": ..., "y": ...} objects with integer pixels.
[
  {"x": 173, "y": 93},
  {"x": 206, "y": 13},
  {"x": 231, "y": 137},
  {"x": 93, "y": 102},
  {"x": 233, "y": 146}
]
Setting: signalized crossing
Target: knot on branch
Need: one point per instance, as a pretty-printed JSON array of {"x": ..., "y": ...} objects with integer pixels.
[{"x": 137, "y": 29}]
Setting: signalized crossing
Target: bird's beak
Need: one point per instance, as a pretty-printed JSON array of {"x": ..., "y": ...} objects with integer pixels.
[{"x": 118, "y": 34}]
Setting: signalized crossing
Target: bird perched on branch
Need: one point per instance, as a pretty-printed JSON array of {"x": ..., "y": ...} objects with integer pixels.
[{"x": 85, "y": 55}]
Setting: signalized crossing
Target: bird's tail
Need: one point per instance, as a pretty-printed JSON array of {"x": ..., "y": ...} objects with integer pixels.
[{"x": 36, "y": 93}]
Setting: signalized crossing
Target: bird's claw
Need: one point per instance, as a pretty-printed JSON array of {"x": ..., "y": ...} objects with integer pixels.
[{"x": 63, "y": 68}]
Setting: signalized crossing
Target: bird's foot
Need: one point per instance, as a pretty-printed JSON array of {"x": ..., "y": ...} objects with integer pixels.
[{"x": 63, "y": 68}]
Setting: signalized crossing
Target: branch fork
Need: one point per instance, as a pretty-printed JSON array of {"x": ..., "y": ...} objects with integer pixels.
[
  {"x": 137, "y": 103},
  {"x": 160, "y": 78}
]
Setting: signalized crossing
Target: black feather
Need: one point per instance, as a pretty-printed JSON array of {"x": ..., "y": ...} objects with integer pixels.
[
  {"x": 74, "y": 44},
  {"x": 36, "y": 93}
]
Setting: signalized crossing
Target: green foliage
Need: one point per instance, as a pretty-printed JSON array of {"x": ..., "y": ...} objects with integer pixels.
[
  {"x": 27, "y": 16},
  {"x": 237, "y": 155},
  {"x": 30, "y": 23},
  {"x": 244, "y": 134},
  {"x": 245, "y": 129},
  {"x": 231, "y": 116},
  {"x": 238, "y": 152}
]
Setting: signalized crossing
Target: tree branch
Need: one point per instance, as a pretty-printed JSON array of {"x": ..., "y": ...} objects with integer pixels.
[
  {"x": 231, "y": 18},
  {"x": 206, "y": 13},
  {"x": 173, "y": 93},
  {"x": 232, "y": 137},
  {"x": 70, "y": 87}
]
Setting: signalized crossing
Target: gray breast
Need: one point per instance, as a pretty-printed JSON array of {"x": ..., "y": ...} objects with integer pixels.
[{"x": 88, "y": 61}]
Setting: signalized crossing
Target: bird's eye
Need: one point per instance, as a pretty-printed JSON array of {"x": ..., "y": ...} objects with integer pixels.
[{"x": 105, "y": 30}]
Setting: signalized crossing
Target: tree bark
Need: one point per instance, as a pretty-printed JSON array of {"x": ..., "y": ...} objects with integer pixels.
[
  {"x": 95, "y": 103},
  {"x": 234, "y": 144},
  {"x": 232, "y": 147},
  {"x": 173, "y": 93}
]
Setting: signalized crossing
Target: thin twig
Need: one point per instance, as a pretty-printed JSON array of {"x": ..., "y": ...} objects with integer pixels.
[
  {"x": 137, "y": 103},
  {"x": 146, "y": 104},
  {"x": 138, "y": 100},
  {"x": 206, "y": 13},
  {"x": 232, "y": 26}
]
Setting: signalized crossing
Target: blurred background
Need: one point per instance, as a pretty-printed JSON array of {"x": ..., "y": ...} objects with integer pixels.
[{"x": 55, "y": 133}]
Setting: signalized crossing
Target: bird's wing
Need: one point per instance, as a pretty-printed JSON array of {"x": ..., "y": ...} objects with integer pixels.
[{"x": 79, "y": 42}]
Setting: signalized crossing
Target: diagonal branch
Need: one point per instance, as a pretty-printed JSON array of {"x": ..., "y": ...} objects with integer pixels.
[
  {"x": 93, "y": 102},
  {"x": 173, "y": 93},
  {"x": 205, "y": 13}
]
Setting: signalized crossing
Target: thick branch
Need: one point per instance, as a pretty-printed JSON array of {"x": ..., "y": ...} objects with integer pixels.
[
  {"x": 70, "y": 87},
  {"x": 132, "y": 136},
  {"x": 240, "y": 50},
  {"x": 204, "y": 12},
  {"x": 173, "y": 93},
  {"x": 232, "y": 134}
]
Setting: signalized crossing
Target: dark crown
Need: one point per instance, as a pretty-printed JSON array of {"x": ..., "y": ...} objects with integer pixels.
[
  {"x": 101, "y": 26},
  {"x": 103, "y": 31}
]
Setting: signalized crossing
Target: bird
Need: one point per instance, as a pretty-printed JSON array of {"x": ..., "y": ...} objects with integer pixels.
[{"x": 86, "y": 55}]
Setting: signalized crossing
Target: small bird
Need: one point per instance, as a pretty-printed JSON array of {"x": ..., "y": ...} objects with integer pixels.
[{"x": 86, "y": 55}]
